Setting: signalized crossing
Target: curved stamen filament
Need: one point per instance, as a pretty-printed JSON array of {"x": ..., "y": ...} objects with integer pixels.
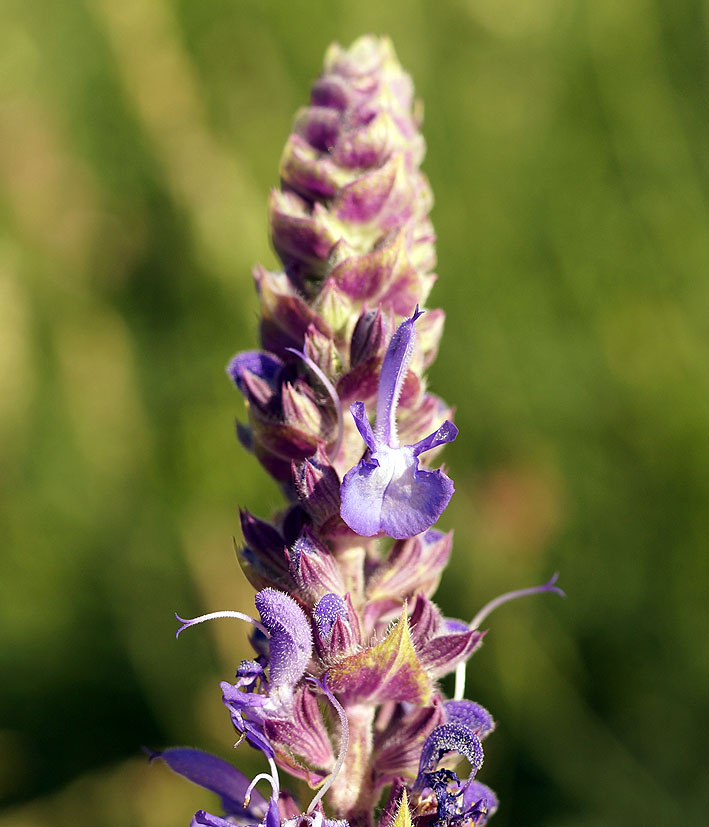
[
  {"x": 333, "y": 394},
  {"x": 344, "y": 743},
  {"x": 187, "y": 622},
  {"x": 488, "y": 608},
  {"x": 272, "y": 779}
]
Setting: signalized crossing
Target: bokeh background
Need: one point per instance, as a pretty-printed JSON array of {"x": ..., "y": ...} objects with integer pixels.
[{"x": 568, "y": 150}]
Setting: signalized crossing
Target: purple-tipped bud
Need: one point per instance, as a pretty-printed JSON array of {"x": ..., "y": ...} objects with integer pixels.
[
  {"x": 318, "y": 487},
  {"x": 302, "y": 412},
  {"x": 257, "y": 375},
  {"x": 336, "y": 628},
  {"x": 263, "y": 557},
  {"x": 369, "y": 338},
  {"x": 334, "y": 306},
  {"x": 321, "y": 349},
  {"x": 263, "y": 538},
  {"x": 313, "y": 568},
  {"x": 329, "y": 609}
]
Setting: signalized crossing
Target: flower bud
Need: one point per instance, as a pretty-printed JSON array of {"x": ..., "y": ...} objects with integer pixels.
[
  {"x": 369, "y": 338},
  {"x": 313, "y": 568},
  {"x": 318, "y": 487}
]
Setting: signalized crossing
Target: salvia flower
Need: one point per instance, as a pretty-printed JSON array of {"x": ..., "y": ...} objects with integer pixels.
[
  {"x": 387, "y": 492},
  {"x": 341, "y": 689}
]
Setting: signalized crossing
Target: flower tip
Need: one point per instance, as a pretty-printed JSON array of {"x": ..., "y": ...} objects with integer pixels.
[
  {"x": 551, "y": 586},
  {"x": 417, "y": 314},
  {"x": 185, "y": 623}
]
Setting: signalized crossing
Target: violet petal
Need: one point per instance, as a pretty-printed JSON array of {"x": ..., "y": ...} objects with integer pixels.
[
  {"x": 414, "y": 500},
  {"x": 216, "y": 775},
  {"x": 446, "y": 433},
  {"x": 394, "y": 496},
  {"x": 290, "y": 639},
  {"x": 449, "y": 738},
  {"x": 391, "y": 379},
  {"x": 359, "y": 414},
  {"x": 204, "y": 819},
  {"x": 470, "y": 714},
  {"x": 481, "y": 795}
]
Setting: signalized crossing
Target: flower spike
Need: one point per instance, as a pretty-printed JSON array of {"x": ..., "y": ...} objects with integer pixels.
[{"x": 345, "y": 619}]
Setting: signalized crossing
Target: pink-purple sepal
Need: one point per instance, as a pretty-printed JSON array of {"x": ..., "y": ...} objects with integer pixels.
[
  {"x": 384, "y": 277},
  {"x": 412, "y": 567},
  {"x": 439, "y": 649},
  {"x": 398, "y": 743},
  {"x": 285, "y": 314},
  {"x": 300, "y": 740}
]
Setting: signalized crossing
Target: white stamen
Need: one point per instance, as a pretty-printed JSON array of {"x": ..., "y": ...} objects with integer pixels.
[
  {"x": 272, "y": 779},
  {"x": 187, "y": 622}
]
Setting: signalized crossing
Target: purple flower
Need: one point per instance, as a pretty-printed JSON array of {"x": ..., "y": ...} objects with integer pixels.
[
  {"x": 457, "y": 802},
  {"x": 387, "y": 492}
]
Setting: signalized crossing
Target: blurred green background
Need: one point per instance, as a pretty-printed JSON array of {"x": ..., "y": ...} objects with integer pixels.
[{"x": 568, "y": 151}]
